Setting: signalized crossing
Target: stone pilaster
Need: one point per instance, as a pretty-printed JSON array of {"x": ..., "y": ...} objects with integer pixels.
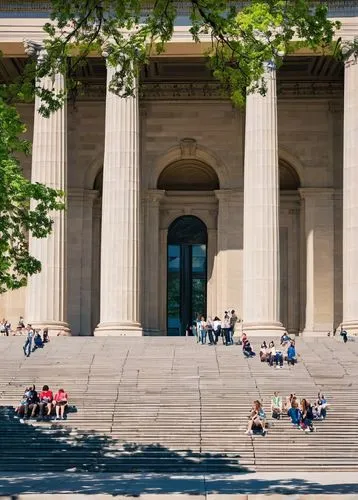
[
  {"x": 319, "y": 262},
  {"x": 46, "y": 300},
  {"x": 261, "y": 291},
  {"x": 350, "y": 203},
  {"x": 151, "y": 201},
  {"x": 120, "y": 308}
]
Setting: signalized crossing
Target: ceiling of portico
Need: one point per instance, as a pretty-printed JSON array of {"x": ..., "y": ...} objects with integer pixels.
[{"x": 303, "y": 76}]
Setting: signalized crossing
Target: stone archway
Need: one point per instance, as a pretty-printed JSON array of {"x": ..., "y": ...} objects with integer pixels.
[
  {"x": 182, "y": 183},
  {"x": 189, "y": 149}
]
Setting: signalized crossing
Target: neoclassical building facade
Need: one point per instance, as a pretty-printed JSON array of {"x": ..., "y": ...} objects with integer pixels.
[{"x": 180, "y": 204}]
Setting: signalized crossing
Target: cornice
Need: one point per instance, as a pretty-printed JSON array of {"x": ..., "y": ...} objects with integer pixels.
[{"x": 41, "y": 6}]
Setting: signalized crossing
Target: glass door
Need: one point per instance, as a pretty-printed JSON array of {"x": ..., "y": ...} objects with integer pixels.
[{"x": 186, "y": 273}]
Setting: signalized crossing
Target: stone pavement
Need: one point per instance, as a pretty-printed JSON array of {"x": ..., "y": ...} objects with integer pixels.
[
  {"x": 167, "y": 405},
  {"x": 188, "y": 486}
]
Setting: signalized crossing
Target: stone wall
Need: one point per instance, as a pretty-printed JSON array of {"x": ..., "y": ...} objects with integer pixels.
[{"x": 310, "y": 139}]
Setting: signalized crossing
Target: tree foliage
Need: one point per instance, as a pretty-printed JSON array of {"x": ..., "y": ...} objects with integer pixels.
[
  {"x": 241, "y": 39},
  {"x": 25, "y": 207}
]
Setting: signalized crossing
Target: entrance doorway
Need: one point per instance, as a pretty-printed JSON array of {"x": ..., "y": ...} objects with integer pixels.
[{"x": 186, "y": 272}]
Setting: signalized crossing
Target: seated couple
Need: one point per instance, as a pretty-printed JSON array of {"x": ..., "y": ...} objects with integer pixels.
[
  {"x": 44, "y": 403},
  {"x": 257, "y": 419}
]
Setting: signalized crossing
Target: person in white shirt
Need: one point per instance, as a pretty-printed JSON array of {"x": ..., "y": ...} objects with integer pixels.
[
  {"x": 276, "y": 405},
  {"x": 217, "y": 328},
  {"x": 272, "y": 353},
  {"x": 226, "y": 329},
  {"x": 203, "y": 328}
]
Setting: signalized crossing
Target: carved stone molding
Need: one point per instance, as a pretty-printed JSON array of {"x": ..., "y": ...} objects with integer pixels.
[
  {"x": 188, "y": 148},
  {"x": 183, "y": 91},
  {"x": 34, "y": 49},
  {"x": 309, "y": 89}
]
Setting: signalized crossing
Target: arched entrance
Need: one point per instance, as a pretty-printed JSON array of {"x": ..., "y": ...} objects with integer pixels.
[{"x": 186, "y": 272}]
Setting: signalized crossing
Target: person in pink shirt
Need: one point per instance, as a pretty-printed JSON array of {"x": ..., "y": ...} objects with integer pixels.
[{"x": 60, "y": 402}]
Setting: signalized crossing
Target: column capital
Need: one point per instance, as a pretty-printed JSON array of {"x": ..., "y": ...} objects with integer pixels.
[
  {"x": 350, "y": 52},
  {"x": 153, "y": 196},
  {"x": 315, "y": 192},
  {"x": 229, "y": 195},
  {"x": 33, "y": 49}
]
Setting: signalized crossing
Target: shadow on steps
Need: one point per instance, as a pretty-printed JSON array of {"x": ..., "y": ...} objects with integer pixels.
[{"x": 27, "y": 447}]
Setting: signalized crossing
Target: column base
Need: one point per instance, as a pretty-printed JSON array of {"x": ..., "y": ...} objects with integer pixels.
[
  {"x": 152, "y": 332},
  {"x": 263, "y": 329},
  {"x": 316, "y": 333},
  {"x": 55, "y": 328},
  {"x": 125, "y": 329},
  {"x": 350, "y": 326}
]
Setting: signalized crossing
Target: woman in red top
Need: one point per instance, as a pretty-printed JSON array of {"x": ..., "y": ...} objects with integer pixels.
[
  {"x": 46, "y": 398},
  {"x": 60, "y": 401}
]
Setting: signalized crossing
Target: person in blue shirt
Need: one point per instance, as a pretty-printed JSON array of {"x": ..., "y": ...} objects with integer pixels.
[
  {"x": 38, "y": 343},
  {"x": 295, "y": 413},
  {"x": 291, "y": 354}
]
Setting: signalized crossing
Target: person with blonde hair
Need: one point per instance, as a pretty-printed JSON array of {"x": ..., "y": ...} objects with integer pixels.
[{"x": 257, "y": 419}]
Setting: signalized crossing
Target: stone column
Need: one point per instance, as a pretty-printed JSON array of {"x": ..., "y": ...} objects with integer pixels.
[
  {"x": 46, "y": 301},
  {"x": 120, "y": 218},
  {"x": 229, "y": 258},
  {"x": 151, "y": 254},
  {"x": 350, "y": 201},
  {"x": 261, "y": 291},
  {"x": 319, "y": 239}
]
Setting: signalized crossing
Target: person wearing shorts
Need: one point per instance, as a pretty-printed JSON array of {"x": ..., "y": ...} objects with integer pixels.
[{"x": 60, "y": 402}]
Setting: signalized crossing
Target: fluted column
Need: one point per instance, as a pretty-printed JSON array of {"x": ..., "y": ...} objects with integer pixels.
[
  {"x": 350, "y": 198},
  {"x": 261, "y": 290},
  {"x": 151, "y": 199},
  {"x": 46, "y": 299},
  {"x": 318, "y": 206},
  {"x": 119, "y": 311}
]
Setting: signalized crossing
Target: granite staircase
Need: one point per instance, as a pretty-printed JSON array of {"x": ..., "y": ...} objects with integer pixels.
[{"x": 170, "y": 405}]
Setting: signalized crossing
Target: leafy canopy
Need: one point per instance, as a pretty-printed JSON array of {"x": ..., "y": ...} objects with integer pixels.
[
  {"x": 24, "y": 206},
  {"x": 241, "y": 39}
]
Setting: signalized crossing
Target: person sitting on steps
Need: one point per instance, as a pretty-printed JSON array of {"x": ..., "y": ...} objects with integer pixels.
[
  {"x": 291, "y": 354},
  {"x": 247, "y": 349},
  {"x": 295, "y": 413},
  {"x": 38, "y": 343},
  {"x": 285, "y": 339},
  {"x": 60, "y": 402},
  {"x": 307, "y": 416},
  {"x": 32, "y": 400},
  {"x": 276, "y": 406},
  {"x": 264, "y": 353},
  {"x": 279, "y": 358},
  {"x": 257, "y": 419},
  {"x": 320, "y": 407},
  {"x": 46, "y": 398}
]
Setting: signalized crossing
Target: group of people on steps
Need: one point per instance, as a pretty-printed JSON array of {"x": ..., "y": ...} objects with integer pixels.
[
  {"x": 301, "y": 413},
  {"x": 212, "y": 329}
]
